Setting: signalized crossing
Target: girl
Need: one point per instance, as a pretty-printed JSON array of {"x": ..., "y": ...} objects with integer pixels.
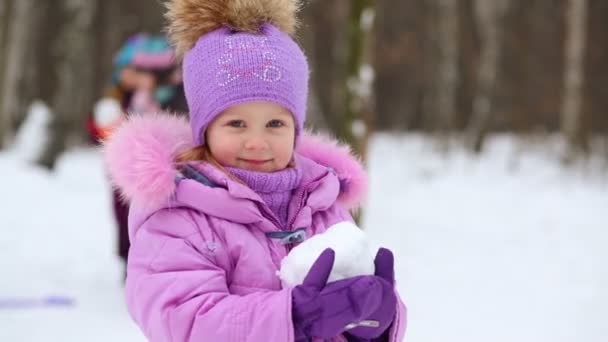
[
  {"x": 159, "y": 85},
  {"x": 124, "y": 84},
  {"x": 215, "y": 201},
  {"x": 135, "y": 88}
]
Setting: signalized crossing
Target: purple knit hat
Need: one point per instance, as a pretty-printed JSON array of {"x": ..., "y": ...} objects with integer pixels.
[{"x": 227, "y": 67}]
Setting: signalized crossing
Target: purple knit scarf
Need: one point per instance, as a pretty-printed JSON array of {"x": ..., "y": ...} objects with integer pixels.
[{"x": 275, "y": 188}]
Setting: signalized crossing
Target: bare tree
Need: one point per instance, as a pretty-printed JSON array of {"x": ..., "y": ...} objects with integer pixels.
[
  {"x": 6, "y": 9},
  {"x": 73, "y": 96},
  {"x": 572, "y": 98},
  {"x": 17, "y": 90},
  {"x": 336, "y": 42},
  {"x": 324, "y": 35},
  {"x": 489, "y": 17},
  {"x": 402, "y": 83},
  {"x": 61, "y": 52},
  {"x": 83, "y": 36},
  {"x": 355, "y": 124},
  {"x": 448, "y": 73},
  {"x": 318, "y": 35}
]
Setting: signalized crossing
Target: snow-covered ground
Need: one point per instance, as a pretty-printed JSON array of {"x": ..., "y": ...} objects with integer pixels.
[
  {"x": 507, "y": 247},
  {"x": 58, "y": 240}
]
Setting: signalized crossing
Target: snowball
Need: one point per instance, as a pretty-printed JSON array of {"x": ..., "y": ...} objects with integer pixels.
[
  {"x": 107, "y": 112},
  {"x": 354, "y": 254}
]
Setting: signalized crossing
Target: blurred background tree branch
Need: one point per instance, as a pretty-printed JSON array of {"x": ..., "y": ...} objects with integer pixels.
[{"x": 457, "y": 68}]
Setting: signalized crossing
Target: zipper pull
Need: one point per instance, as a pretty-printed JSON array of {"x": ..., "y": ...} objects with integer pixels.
[{"x": 290, "y": 237}]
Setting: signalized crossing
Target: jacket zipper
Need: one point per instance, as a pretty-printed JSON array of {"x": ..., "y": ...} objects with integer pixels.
[
  {"x": 299, "y": 207},
  {"x": 301, "y": 199}
]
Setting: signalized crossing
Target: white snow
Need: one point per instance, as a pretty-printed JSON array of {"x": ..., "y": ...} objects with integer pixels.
[
  {"x": 33, "y": 134},
  {"x": 499, "y": 248},
  {"x": 58, "y": 240},
  {"x": 506, "y": 247},
  {"x": 354, "y": 254},
  {"x": 107, "y": 111}
]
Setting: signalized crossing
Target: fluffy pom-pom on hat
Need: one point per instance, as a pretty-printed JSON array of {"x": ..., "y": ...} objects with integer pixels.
[{"x": 190, "y": 19}]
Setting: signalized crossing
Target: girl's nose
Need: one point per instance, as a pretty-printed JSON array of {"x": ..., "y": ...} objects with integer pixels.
[{"x": 256, "y": 142}]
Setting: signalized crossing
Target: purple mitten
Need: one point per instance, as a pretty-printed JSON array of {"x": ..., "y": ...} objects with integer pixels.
[
  {"x": 324, "y": 310},
  {"x": 387, "y": 308}
]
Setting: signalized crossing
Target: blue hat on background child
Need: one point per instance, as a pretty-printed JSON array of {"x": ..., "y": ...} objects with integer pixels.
[
  {"x": 154, "y": 53},
  {"x": 124, "y": 56}
]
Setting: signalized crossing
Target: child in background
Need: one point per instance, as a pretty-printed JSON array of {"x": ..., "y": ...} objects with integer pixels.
[
  {"x": 159, "y": 85},
  {"x": 146, "y": 79},
  {"x": 124, "y": 80},
  {"x": 108, "y": 114},
  {"x": 136, "y": 67},
  {"x": 215, "y": 200}
]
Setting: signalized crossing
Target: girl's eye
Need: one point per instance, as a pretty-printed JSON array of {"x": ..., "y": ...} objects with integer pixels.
[
  {"x": 236, "y": 123},
  {"x": 275, "y": 123}
]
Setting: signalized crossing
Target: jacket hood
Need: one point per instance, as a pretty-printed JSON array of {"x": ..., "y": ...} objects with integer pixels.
[{"x": 140, "y": 159}]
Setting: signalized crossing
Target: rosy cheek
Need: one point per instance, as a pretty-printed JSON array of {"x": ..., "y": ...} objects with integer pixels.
[
  {"x": 221, "y": 154},
  {"x": 227, "y": 153}
]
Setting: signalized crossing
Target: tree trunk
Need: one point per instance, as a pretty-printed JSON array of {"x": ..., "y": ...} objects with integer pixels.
[
  {"x": 606, "y": 153},
  {"x": 82, "y": 68},
  {"x": 315, "y": 118},
  {"x": 402, "y": 83},
  {"x": 574, "y": 58},
  {"x": 336, "y": 41},
  {"x": 326, "y": 39},
  {"x": 6, "y": 11},
  {"x": 17, "y": 90},
  {"x": 447, "y": 75},
  {"x": 73, "y": 96},
  {"x": 354, "y": 126},
  {"x": 489, "y": 17}
]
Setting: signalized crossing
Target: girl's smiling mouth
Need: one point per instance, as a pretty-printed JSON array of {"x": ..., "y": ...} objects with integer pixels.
[{"x": 256, "y": 161}]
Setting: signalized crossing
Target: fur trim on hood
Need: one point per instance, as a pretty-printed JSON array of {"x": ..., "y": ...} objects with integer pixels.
[{"x": 140, "y": 158}]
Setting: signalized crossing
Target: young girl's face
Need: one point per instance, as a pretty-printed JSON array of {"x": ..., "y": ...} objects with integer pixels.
[
  {"x": 256, "y": 136},
  {"x": 128, "y": 78}
]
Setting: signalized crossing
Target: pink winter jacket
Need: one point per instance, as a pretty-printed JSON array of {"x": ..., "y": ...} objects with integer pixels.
[{"x": 200, "y": 266}]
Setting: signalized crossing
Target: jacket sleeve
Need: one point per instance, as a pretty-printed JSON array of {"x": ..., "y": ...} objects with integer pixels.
[
  {"x": 177, "y": 292},
  {"x": 397, "y": 330}
]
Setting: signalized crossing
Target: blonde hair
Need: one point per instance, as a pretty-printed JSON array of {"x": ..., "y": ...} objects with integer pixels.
[{"x": 203, "y": 154}]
